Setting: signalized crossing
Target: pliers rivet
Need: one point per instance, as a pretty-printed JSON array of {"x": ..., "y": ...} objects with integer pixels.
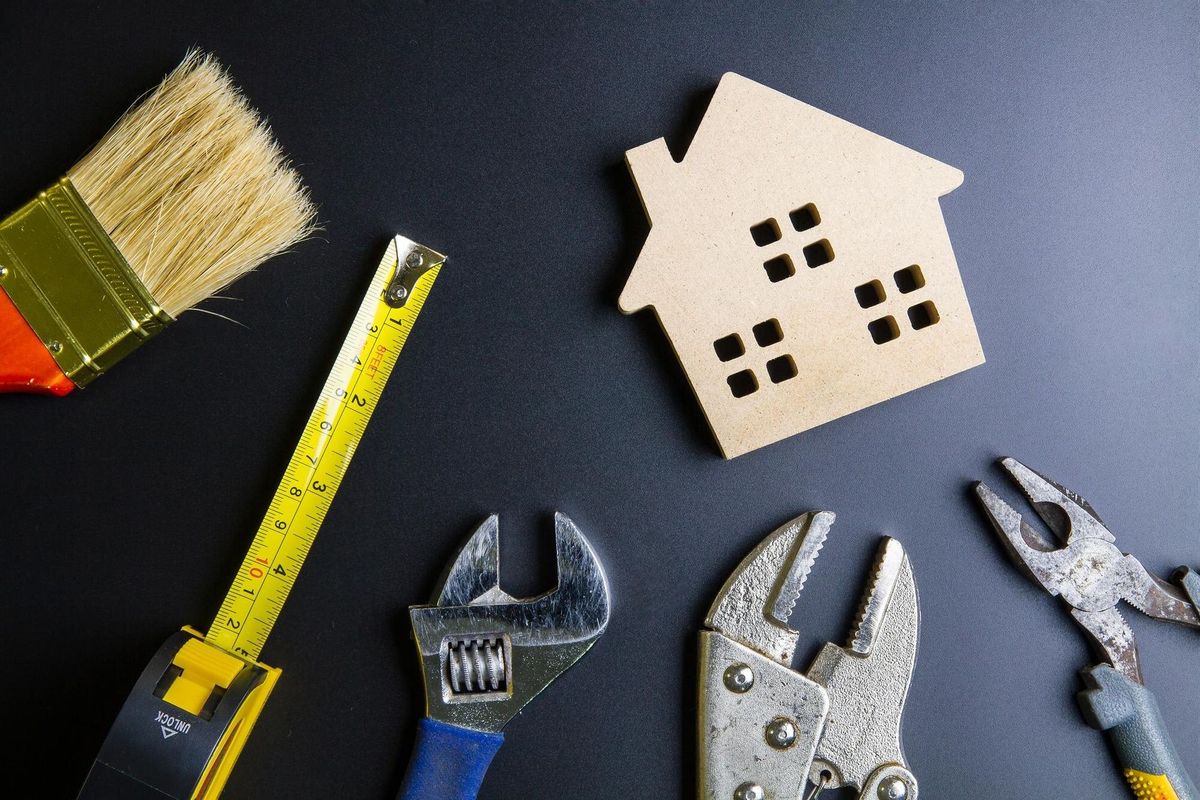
[
  {"x": 781, "y": 733},
  {"x": 739, "y": 678},
  {"x": 749, "y": 791},
  {"x": 892, "y": 789}
]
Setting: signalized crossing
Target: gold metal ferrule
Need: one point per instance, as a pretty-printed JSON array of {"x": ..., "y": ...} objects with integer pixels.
[{"x": 72, "y": 285}]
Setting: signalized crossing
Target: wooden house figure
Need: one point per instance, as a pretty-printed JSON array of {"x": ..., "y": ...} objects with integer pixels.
[{"x": 799, "y": 264}]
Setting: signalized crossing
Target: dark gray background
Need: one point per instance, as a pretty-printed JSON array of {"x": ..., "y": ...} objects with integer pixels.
[{"x": 496, "y": 134}]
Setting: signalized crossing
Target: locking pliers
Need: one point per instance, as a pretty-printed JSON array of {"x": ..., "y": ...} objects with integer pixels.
[
  {"x": 1091, "y": 575},
  {"x": 767, "y": 729},
  {"x": 485, "y": 654}
]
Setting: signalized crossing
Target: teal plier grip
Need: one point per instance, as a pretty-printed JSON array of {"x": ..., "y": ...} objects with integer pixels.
[
  {"x": 1129, "y": 715},
  {"x": 448, "y": 762}
]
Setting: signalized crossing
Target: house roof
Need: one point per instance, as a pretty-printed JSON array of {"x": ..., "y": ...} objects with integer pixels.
[{"x": 750, "y": 148}]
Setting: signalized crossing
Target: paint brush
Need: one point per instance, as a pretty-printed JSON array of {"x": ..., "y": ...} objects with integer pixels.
[{"x": 187, "y": 192}]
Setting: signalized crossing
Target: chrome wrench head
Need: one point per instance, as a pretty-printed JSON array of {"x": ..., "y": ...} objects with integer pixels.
[{"x": 485, "y": 654}]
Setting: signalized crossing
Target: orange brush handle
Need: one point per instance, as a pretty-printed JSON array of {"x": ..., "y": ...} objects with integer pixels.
[{"x": 25, "y": 363}]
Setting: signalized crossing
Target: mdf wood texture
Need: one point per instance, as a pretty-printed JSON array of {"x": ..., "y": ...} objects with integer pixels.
[{"x": 799, "y": 264}]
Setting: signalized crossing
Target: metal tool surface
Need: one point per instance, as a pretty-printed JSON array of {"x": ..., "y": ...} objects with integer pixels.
[
  {"x": 1092, "y": 576},
  {"x": 767, "y": 730},
  {"x": 485, "y": 654}
]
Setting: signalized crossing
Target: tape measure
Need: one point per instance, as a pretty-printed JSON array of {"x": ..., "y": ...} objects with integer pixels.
[
  {"x": 331, "y": 435},
  {"x": 188, "y": 717}
]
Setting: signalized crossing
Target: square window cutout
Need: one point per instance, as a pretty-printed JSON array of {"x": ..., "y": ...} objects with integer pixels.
[
  {"x": 870, "y": 294},
  {"x": 781, "y": 369},
  {"x": 909, "y": 279},
  {"x": 884, "y": 330},
  {"x": 805, "y": 217},
  {"x": 779, "y": 268},
  {"x": 768, "y": 333},
  {"x": 923, "y": 315},
  {"x": 765, "y": 232},
  {"x": 742, "y": 383},
  {"x": 818, "y": 253},
  {"x": 729, "y": 347}
]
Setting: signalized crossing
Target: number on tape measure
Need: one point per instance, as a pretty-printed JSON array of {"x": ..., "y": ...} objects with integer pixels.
[{"x": 327, "y": 444}]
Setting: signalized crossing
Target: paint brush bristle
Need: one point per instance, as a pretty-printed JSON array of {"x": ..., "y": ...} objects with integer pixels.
[{"x": 192, "y": 187}]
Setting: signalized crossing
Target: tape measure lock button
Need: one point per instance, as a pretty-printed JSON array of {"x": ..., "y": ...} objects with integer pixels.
[{"x": 198, "y": 677}]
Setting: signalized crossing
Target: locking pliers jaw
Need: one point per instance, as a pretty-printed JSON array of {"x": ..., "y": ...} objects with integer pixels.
[
  {"x": 759, "y": 719},
  {"x": 765, "y": 728}
]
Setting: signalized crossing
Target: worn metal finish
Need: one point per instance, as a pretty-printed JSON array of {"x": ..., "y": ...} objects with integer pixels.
[
  {"x": 837, "y": 726},
  {"x": 541, "y": 636},
  {"x": 1085, "y": 568},
  {"x": 770, "y": 578},
  {"x": 868, "y": 681},
  {"x": 734, "y": 751}
]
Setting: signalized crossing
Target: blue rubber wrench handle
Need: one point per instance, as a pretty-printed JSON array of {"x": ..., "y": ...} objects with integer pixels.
[{"x": 448, "y": 762}]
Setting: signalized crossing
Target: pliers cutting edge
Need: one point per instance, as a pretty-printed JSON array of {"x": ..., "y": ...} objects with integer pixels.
[
  {"x": 766, "y": 729},
  {"x": 1091, "y": 574},
  {"x": 485, "y": 654}
]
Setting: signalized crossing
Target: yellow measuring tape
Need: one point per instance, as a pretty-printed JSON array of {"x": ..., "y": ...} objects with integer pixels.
[
  {"x": 315, "y": 471},
  {"x": 188, "y": 717}
]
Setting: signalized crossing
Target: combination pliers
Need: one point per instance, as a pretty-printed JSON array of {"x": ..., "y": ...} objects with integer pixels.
[
  {"x": 1091, "y": 575},
  {"x": 767, "y": 730}
]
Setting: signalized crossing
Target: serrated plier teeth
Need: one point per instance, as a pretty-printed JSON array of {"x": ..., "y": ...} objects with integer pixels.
[
  {"x": 765, "y": 728},
  {"x": 753, "y": 606}
]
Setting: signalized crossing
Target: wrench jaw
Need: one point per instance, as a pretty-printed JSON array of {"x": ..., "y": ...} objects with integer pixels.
[
  {"x": 475, "y": 571},
  {"x": 484, "y": 659},
  {"x": 867, "y": 682}
]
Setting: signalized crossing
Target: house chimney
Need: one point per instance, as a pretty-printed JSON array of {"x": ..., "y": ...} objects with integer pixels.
[{"x": 652, "y": 168}]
